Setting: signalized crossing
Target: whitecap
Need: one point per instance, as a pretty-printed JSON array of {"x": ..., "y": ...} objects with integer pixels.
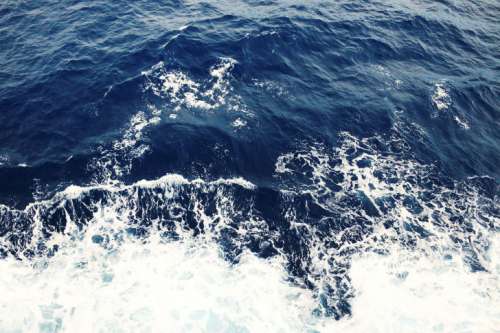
[
  {"x": 462, "y": 123},
  {"x": 441, "y": 98},
  {"x": 239, "y": 123}
]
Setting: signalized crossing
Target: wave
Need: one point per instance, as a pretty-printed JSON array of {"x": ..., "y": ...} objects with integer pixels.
[
  {"x": 367, "y": 197},
  {"x": 326, "y": 126}
]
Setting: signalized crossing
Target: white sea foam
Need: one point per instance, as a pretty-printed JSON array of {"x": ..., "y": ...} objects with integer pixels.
[
  {"x": 181, "y": 90},
  {"x": 360, "y": 169},
  {"x": 188, "y": 287},
  {"x": 103, "y": 279},
  {"x": 178, "y": 287},
  {"x": 405, "y": 292},
  {"x": 170, "y": 180},
  {"x": 239, "y": 123},
  {"x": 116, "y": 161},
  {"x": 441, "y": 98},
  {"x": 315, "y": 159},
  {"x": 462, "y": 123},
  {"x": 442, "y": 101}
]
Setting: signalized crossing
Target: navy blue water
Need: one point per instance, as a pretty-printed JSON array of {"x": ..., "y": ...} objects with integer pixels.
[{"x": 299, "y": 99}]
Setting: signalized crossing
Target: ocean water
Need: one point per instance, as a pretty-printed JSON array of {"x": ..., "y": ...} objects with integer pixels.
[{"x": 250, "y": 166}]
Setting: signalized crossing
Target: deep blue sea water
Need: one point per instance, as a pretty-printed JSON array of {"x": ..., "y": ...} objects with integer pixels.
[{"x": 318, "y": 152}]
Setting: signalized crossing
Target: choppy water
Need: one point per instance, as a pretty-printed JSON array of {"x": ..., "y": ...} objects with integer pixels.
[{"x": 249, "y": 166}]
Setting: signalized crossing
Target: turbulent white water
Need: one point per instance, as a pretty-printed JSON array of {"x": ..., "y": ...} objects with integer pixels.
[
  {"x": 187, "y": 287},
  {"x": 175, "y": 287},
  {"x": 404, "y": 292},
  {"x": 105, "y": 278}
]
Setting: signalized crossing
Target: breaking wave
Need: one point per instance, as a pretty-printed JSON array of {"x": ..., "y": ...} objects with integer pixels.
[
  {"x": 334, "y": 215},
  {"x": 267, "y": 166}
]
